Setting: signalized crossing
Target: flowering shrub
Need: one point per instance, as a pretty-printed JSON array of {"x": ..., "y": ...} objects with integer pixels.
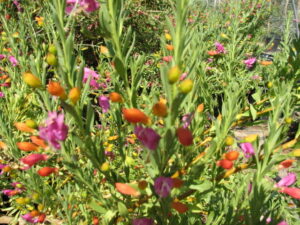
[{"x": 96, "y": 128}]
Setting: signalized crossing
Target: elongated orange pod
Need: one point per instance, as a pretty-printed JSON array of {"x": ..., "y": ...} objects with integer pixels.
[
  {"x": 38, "y": 141},
  {"x": 134, "y": 115},
  {"x": 233, "y": 155},
  {"x": 23, "y": 127},
  {"x": 126, "y": 189},
  {"x": 115, "y": 97},
  {"x": 185, "y": 136},
  {"x": 179, "y": 207},
  {"x": 55, "y": 89},
  {"x": 46, "y": 171},
  {"x": 27, "y": 146}
]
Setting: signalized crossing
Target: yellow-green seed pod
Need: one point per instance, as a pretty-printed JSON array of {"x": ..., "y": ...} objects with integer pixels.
[
  {"x": 186, "y": 86},
  {"x": 52, "y": 49},
  {"x": 105, "y": 167},
  {"x": 229, "y": 140},
  {"x": 51, "y": 59},
  {"x": 174, "y": 74},
  {"x": 74, "y": 95},
  {"x": 251, "y": 138},
  {"x": 31, "y": 124},
  {"x": 288, "y": 120},
  {"x": 32, "y": 80}
]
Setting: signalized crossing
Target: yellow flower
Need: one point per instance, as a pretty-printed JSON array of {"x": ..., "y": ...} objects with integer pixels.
[
  {"x": 168, "y": 36},
  {"x": 39, "y": 20}
]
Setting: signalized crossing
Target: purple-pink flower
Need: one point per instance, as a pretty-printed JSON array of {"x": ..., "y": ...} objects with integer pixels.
[
  {"x": 2, "y": 56},
  {"x": 220, "y": 48},
  {"x": 10, "y": 192},
  {"x": 287, "y": 180},
  {"x": 187, "y": 119},
  {"x": 1, "y": 167},
  {"x": 183, "y": 76},
  {"x": 87, "y": 5},
  {"x": 2, "y": 94},
  {"x": 247, "y": 149},
  {"x": 147, "y": 136},
  {"x": 93, "y": 76},
  {"x": 55, "y": 129},
  {"x": 143, "y": 221},
  {"x": 250, "y": 62},
  {"x": 283, "y": 223},
  {"x": 163, "y": 186},
  {"x": 104, "y": 103},
  {"x": 29, "y": 218},
  {"x": 13, "y": 60}
]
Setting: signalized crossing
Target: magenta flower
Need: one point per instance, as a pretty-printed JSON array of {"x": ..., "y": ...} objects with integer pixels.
[
  {"x": 1, "y": 167},
  {"x": 250, "y": 62},
  {"x": 268, "y": 220},
  {"x": 220, "y": 48},
  {"x": 29, "y": 218},
  {"x": 13, "y": 60},
  {"x": 163, "y": 186},
  {"x": 10, "y": 192},
  {"x": 55, "y": 129},
  {"x": 17, "y": 185},
  {"x": 2, "y": 94},
  {"x": 187, "y": 119},
  {"x": 2, "y": 56},
  {"x": 88, "y": 73},
  {"x": 247, "y": 149},
  {"x": 283, "y": 223},
  {"x": 147, "y": 136},
  {"x": 183, "y": 76},
  {"x": 87, "y": 5},
  {"x": 104, "y": 103},
  {"x": 32, "y": 159},
  {"x": 143, "y": 221},
  {"x": 287, "y": 180}
]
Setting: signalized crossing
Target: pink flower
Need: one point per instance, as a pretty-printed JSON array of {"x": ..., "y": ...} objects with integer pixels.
[
  {"x": 143, "y": 221},
  {"x": 32, "y": 159},
  {"x": 10, "y": 192},
  {"x": 291, "y": 191},
  {"x": 220, "y": 48},
  {"x": 2, "y": 94},
  {"x": 167, "y": 58},
  {"x": 1, "y": 167},
  {"x": 247, "y": 149},
  {"x": 13, "y": 60},
  {"x": 147, "y": 136},
  {"x": 183, "y": 76},
  {"x": 268, "y": 220},
  {"x": 55, "y": 129},
  {"x": 2, "y": 56},
  {"x": 87, "y": 5},
  {"x": 88, "y": 73},
  {"x": 250, "y": 62},
  {"x": 29, "y": 218},
  {"x": 104, "y": 103},
  {"x": 187, "y": 119},
  {"x": 287, "y": 180},
  {"x": 256, "y": 77},
  {"x": 163, "y": 186},
  {"x": 283, "y": 223}
]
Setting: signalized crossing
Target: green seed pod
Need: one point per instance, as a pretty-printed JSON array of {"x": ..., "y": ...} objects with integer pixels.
[
  {"x": 174, "y": 74},
  {"x": 186, "y": 86},
  {"x": 51, "y": 59},
  {"x": 52, "y": 49}
]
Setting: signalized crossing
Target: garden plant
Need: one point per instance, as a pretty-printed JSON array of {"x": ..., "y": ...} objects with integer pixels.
[{"x": 148, "y": 112}]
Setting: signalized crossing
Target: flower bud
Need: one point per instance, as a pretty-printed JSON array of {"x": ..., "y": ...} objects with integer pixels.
[
  {"x": 115, "y": 97},
  {"x": 52, "y": 49},
  {"x": 74, "y": 95},
  {"x": 186, "y": 86},
  {"x": 32, "y": 80},
  {"x": 229, "y": 140},
  {"x": 288, "y": 120},
  {"x": 160, "y": 109},
  {"x": 251, "y": 138},
  {"x": 51, "y": 59},
  {"x": 31, "y": 123},
  {"x": 296, "y": 152},
  {"x": 168, "y": 36},
  {"x": 174, "y": 74},
  {"x": 142, "y": 184},
  {"x": 55, "y": 89},
  {"x": 105, "y": 167},
  {"x": 200, "y": 108}
]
